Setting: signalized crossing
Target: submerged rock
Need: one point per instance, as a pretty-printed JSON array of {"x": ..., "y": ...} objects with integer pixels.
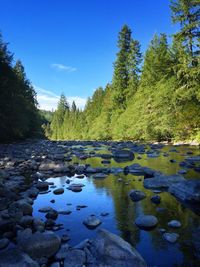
[
  {"x": 171, "y": 237},
  {"x": 92, "y": 222},
  {"x": 188, "y": 192},
  {"x": 146, "y": 222},
  {"x": 174, "y": 224},
  {"x": 75, "y": 258},
  {"x": 163, "y": 181}
]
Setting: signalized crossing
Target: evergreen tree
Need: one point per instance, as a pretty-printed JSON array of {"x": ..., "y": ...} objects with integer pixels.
[
  {"x": 121, "y": 67},
  {"x": 19, "y": 117},
  {"x": 187, "y": 13},
  {"x": 58, "y": 118}
]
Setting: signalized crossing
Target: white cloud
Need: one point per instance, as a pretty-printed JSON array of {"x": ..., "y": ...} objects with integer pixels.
[
  {"x": 48, "y": 100},
  {"x": 61, "y": 67}
]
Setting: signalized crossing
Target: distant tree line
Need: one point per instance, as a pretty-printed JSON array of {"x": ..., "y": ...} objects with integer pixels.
[
  {"x": 156, "y": 100},
  {"x": 19, "y": 116}
]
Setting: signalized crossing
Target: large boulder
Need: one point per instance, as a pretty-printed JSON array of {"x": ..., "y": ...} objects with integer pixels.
[
  {"x": 162, "y": 181},
  {"x": 38, "y": 245},
  {"x": 110, "y": 250},
  {"x": 16, "y": 258},
  {"x": 75, "y": 258},
  {"x": 188, "y": 192}
]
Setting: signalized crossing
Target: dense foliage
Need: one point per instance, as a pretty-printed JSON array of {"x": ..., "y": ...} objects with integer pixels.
[
  {"x": 160, "y": 101},
  {"x": 19, "y": 117}
]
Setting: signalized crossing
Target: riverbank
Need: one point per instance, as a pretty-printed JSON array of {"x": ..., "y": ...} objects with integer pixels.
[{"x": 25, "y": 188}]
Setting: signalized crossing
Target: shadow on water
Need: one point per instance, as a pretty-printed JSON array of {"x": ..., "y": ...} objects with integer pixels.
[{"x": 110, "y": 195}]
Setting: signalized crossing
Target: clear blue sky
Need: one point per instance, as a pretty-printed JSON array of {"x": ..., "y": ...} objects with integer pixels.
[{"x": 70, "y": 45}]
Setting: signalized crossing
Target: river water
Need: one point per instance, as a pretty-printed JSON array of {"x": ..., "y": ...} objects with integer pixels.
[{"x": 111, "y": 196}]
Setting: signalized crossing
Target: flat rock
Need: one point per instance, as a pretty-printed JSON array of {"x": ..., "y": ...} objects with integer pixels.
[
  {"x": 75, "y": 258},
  {"x": 16, "y": 258},
  {"x": 171, "y": 237},
  {"x": 188, "y": 192},
  {"x": 92, "y": 222},
  {"x": 146, "y": 222},
  {"x": 174, "y": 224},
  {"x": 162, "y": 181},
  {"x": 111, "y": 250}
]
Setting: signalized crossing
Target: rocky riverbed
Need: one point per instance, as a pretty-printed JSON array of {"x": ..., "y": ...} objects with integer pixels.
[{"x": 68, "y": 203}]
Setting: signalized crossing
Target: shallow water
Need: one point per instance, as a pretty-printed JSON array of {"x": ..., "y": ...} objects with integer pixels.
[{"x": 111, "y": 196}]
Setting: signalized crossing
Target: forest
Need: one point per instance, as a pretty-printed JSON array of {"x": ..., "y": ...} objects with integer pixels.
[{"x": 152, "y": 97}]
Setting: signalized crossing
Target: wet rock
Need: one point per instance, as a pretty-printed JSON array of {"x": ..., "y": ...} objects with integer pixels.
[
  {"x": 92, "y": 222},
  {"x": 42, "y": 186},
  {"x": 136, "y": 195},
  {"x": 146, "y": 222},
  {"x": 75, "y": 187},
  {"x": 52, "y": 214},
  {"x": 75, "y": 258},
  {"x": 162, "y": 181},
  {"x": 65, "y": 238},
  {"x": 45, "y": 209},
  {"x": 40, "y": 245},
  {"x": 16, "y": 258},
  {"x": 99, "y": 176},
  {"x": 123, "y": 155},
  {"x": 26, "y": 221},
  {"x": 25, "y": 207},
  {"x": 171, "y": 237},
  {"x": 188, "y": 192},
  {"x": 156, "y": 199},
  {"x": 58, "y": 191},
  {"x": 62, "y": 252},
  {"x": 104, "y": 214},
  {"x": 4, "y": 243},
  {"x": 64, "y": 212},
  {"x": 110, "y": 250},
  {"x": 174, "y": 224}
]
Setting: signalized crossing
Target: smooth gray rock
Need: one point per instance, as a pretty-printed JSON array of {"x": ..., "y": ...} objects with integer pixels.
[
  {"x": 75, "y": 258},
  {"x": 174, "y": 224},
  {"x": 162, "y": 181},
  {"x": 92, "y": 222},
  {"x": 16, "y": 258},
  {"x": 136, "y": 195},
  {"x": 110, "y": 250},
  {"x": 58, "y": 191},
  {"x": 171, "y": 237},
  {"x": 146, "y": 222},
  {"x": 39, "y": 245}
]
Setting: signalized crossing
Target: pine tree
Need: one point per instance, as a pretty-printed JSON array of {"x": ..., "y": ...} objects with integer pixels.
[
  {"x": 121, "y": 67},
  {"x": 58, "y": 118},
  {"x": 187, "y": 13}
]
